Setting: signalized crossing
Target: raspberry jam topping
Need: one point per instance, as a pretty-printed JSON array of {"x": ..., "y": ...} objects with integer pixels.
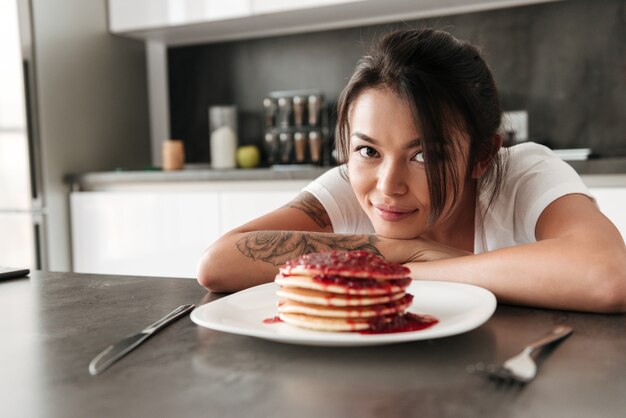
[
  {"x": 273, "y": 320},
  {"x": 345, "y": 263},
  {"x": 362, "y": 283},
  {"x": 400, "y": 323},
  {"x": 403, "y": 303}
]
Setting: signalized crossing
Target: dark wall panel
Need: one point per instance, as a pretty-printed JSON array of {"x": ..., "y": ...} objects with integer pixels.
[{"x": 564, "y": 62}]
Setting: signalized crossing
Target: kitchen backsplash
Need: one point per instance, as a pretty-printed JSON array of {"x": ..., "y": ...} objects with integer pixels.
[{"x": 562, "y": 62}]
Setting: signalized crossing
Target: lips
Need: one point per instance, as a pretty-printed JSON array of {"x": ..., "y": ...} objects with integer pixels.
[{"x": 393, "y": 213}]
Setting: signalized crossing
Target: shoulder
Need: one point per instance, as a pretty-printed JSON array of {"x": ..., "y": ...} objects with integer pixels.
[
  {"x": 334, "y": 192},
  {"x": 334, "y": 176},
  {"x": 530, "y": 160},
  {"x": 534, "y": 177},
  {"x": 532, "y": 169},
  {"x": 537, "y": 178},
  {"x": 330, "y": 185},
  {"x": 530, "y": 153}
]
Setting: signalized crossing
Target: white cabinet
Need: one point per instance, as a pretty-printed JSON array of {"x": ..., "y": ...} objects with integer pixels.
[
  {"x": 162, "y": 230},
  {"x": 239, "y": 207},
  {"x": 134, "y": 15},
  {"x": 142, "y": 233},
  {"x": 612, "y": 202},
  {"x": 275, "y": 6},
  {"x": 609, "y": 190}
]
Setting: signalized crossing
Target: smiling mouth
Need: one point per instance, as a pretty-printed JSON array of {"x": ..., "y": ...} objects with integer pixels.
[{"x": 392, "y": 214}]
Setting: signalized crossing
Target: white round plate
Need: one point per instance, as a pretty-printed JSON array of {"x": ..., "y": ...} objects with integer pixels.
[{"x": 458, "y": 307}]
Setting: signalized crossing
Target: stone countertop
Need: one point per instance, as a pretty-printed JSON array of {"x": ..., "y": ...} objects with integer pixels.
[
  {"x": 87, "y": 181},
  {"x": 93, "y": 180},
  {"x": 55, "y": 323},
  {"x": 597, "y": 166}
]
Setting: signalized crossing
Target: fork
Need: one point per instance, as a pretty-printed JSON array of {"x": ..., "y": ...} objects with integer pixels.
[{"x": 522, "y": 368}]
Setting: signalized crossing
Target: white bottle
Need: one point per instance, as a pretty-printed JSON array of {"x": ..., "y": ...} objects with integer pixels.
[
  {"x": 223, "y": 141},
  {"x": 223, "y": 147}
]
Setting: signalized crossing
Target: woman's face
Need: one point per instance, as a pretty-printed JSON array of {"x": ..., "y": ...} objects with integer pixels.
[{"x": 386, "y": 167}]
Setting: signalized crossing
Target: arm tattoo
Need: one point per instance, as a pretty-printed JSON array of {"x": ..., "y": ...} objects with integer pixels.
[
  {"x": 276, "y": 247},
  {"x": 308, "y": 204}
]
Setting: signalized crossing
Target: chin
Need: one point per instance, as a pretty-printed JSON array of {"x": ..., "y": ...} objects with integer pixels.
[{"x": 396, "y": 232}]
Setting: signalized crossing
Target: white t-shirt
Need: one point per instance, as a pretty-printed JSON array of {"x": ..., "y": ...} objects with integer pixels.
[{"x": 535, "y": 178}]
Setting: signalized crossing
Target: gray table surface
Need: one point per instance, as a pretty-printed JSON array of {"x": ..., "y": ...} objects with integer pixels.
[{"x": 52, "y": 324}]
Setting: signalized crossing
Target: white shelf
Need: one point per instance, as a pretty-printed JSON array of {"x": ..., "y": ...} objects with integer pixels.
[{"x": 185, "y": 22}]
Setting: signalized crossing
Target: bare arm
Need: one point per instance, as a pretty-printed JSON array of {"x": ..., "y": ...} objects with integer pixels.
[
  {"x": 577, "y": 263},
  {"x": 250, "y": 255}
]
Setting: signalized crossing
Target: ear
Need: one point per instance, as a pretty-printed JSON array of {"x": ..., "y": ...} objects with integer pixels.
[{"x": 481, "y": 166}]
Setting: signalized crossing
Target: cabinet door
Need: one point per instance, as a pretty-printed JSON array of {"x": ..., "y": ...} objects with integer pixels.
[
  {"x": 142, "y": 233},
  {"x": 612, "y": 202},
  {"x": 239, "y": 207},
  {"x": 129, "y": 15},
  {"x": 276, "y": 6}
]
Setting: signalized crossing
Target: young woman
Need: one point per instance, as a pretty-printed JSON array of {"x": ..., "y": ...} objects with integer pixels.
[{"x": 426, "y": 183}]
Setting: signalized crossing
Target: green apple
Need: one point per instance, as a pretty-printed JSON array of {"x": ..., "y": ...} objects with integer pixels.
[{"x": 248, "y": 156}]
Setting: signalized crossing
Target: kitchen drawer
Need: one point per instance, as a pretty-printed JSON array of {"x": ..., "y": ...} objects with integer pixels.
[
  {"x": 612, "y": 202},
  {"x": 142, "y": 233},
  {"x": 237, "y": 208},
  {"x": 162, "y": 229}
]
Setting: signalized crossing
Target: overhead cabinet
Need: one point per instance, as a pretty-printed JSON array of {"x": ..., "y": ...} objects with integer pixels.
[{"x": 181, "y": 22}]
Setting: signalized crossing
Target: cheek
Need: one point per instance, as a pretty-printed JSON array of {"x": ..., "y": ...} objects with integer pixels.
[
  {"x": 359, "y": 181},
  {"x": 422, "y": 190}
]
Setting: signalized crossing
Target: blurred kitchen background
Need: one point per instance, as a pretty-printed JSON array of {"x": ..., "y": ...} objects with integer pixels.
[
  {"x": 562, "y": 62},
  {"x": 95, "y": 94}
]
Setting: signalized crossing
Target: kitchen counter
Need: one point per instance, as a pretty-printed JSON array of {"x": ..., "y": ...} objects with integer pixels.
[
  {"x": 598, "y": 166},
  {"x": 97, "y": 180},
  {"x": 57, "y": 322},
  {"x": 90, "y": 181}
]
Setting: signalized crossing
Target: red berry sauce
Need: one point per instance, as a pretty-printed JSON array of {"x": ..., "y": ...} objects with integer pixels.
[
  {"x": 358, "y": 283},
  {"x": 405, "y": 322},
  {"x": 274, "y": 320},
  {"x": 347, "y": 263}
]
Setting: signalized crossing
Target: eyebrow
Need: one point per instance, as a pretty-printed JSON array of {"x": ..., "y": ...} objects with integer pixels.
[{"x": 414, "y": 143}]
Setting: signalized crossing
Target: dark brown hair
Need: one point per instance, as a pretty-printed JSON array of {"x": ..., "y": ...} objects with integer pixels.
[{"x": 450, "y": 89}]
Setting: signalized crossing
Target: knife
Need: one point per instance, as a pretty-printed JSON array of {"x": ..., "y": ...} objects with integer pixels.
[{"x": 114, "y": 352}]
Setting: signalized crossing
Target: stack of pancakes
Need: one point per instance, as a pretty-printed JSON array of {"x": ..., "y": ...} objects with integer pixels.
[{"x": 342, "y": 291}]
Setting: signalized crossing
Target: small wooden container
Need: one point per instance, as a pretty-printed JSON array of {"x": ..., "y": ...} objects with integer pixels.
[{"x": 173, "y": 155}]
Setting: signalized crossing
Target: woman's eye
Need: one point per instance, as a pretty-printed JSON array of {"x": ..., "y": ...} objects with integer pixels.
[
  {"x": 419, "y": 157},
  {"x": 367, "y": 152}
]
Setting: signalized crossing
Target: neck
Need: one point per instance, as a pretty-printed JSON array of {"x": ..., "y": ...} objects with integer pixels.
[{"x": 457, "y": 229}]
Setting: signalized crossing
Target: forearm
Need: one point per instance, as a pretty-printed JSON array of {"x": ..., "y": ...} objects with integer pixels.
[
  {"x": 240, "y": 260},
  {"x": 564, "y": 273}
]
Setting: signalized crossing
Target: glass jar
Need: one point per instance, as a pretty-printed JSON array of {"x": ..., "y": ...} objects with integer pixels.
[{"x": 223, "y": 136}]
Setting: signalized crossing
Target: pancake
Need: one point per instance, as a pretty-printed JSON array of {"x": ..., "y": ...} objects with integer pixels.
[
  {"x": 344, "y": 285},
  {"x": 355, "y": 264},
  {"x": 342, "y": 291},
  {"x": 319, "y": 323},
  {"x": 316, "y": 297},
  {"x": 390, "y": 308}
]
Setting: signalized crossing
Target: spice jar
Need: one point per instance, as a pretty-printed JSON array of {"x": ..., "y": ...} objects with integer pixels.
[{"x": 173, "y": 153}]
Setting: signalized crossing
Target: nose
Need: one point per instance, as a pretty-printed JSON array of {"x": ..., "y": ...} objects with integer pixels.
[{"x": 393, "y": 178}]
